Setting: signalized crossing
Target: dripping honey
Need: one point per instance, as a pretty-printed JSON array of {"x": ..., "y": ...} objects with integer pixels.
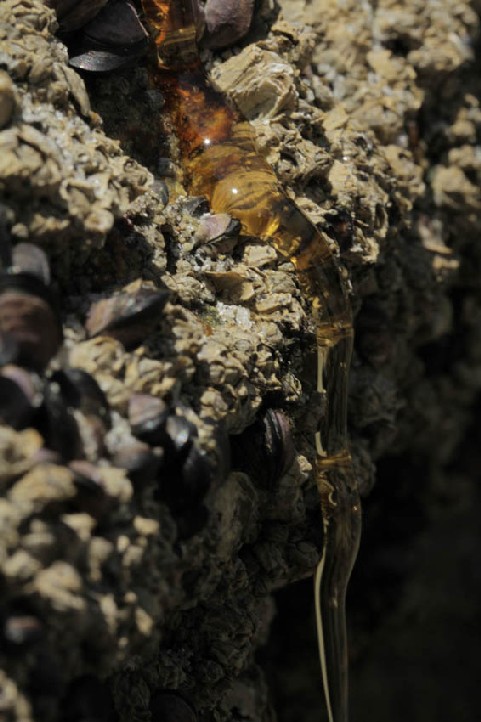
[{"x": 220, "y": 162}]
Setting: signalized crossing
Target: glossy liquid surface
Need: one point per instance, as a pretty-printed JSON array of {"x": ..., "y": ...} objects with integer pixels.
[{"x": 221, "y": 162}]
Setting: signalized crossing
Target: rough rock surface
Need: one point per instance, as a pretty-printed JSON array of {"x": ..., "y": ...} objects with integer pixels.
[{"x": 370, "y": 117}]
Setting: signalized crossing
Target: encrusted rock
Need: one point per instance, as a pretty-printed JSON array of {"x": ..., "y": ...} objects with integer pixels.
[
  {"x": 260, "y": 82},
  {"x": 151, "y": 561}
]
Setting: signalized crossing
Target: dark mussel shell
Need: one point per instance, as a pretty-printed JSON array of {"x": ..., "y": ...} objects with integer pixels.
[
  {"x": 186, "y": 475},
  {"x": 214, "y": 228},
  {"x": 30, "y": 259},
  {"x": 91, "y": 497},
  {"x": 57, "y": 424},
  {"x": 28, "y": 314},
  {"x": 114, "y": 38},
  {"x": 5, "y": 238},
  {"x": 197, "y": 206},
  {"x": 141, "y": 463},
  {"x": 99, "y": 61},
  {"x": 21, "y": 631},
  {"x": 148, "y": 416},
  {"x": 226, "y": 21},
  {"x": 170, "y": 706},
  {"x": 20, "y": 395},
  {"x": 117, "y": 25},
  {"x": 265, "y": 450},
  {"x": 128, "y": 316},
  {"x": 9, "y": 352},
  {"x": 81, "y": 391},
  {"x": 74, "y": 14}
]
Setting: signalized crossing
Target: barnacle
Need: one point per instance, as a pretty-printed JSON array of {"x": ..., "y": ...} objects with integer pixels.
[{"x": 221, "y": 162}]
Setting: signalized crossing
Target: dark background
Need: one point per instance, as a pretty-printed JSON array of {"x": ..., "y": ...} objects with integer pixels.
[{"x": 413, "y": 605}]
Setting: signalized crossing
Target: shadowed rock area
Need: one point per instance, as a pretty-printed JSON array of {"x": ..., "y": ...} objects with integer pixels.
[{"x": 156, "y": 440}]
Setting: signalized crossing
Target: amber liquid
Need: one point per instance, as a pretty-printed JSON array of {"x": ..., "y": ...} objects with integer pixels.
[{"x": 220, "y": 162}]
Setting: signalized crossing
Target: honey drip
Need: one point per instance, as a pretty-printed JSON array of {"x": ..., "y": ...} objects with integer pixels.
[{"x": 220, "y": 162}]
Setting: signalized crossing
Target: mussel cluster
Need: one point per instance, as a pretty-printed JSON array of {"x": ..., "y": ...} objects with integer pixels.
[
  {"x": 101, "y": 35},
  {"x": 104, "y": 35},
  {"x": 76, "y": 474},
  {"x": 70, "y": 411}
]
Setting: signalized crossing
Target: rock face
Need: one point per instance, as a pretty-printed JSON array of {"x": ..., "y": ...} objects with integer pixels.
[{"x": 147, "y": 516}]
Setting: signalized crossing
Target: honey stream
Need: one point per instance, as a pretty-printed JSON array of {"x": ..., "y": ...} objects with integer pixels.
[{"x": 220, "y": 162}]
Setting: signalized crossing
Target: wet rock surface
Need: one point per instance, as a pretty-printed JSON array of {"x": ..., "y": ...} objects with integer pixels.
[{"x": 140, "y": 546}]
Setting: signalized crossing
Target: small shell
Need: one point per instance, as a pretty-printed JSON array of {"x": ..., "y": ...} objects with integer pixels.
[
  {"x": 265, "y": 450},
  {"x": 81, "y": 391},
  {"x": 127, "y": 316},
  {"x": 73, "y": 14},
  {"x": 117, "y": 25},
  {"x": 141, "y": 463},
  {"x": 147, "y": 416},
  {"x": 185, "y": 476},
  {"x": 7, "y": 99},
  {"x": 5, "y": 238},
  {"x": 196, "y": 205},
  {"x": 114, "y": 38},
  {"x": 19, "y": 396},
  {"x": 169, "y": 706},
  {"x": 21, "y": 631},
  {"x": 226, "y": 21},
  {"x": 9, "y": 352},
  {"x": 57, "y": 424},
  {"x": 91, "y": 494},
  {"x": 28, "y": 315},
  {"x": 217, "y": 227},
  {"x": 99, "y": 61},
  {"x": 30, "y": 259}
]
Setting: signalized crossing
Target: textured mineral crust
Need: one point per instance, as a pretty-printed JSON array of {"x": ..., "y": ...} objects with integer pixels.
[{"x": 155, "y": 484}]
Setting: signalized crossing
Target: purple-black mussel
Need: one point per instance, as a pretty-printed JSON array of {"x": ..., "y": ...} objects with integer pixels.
[
  {"x": 265, "y": 450},
  {"x": 127, "y": 316},
  {"x": 140, "y": 461},
  {"x": 104, "y": 35},
  {"x": 30, "y": 259},
  {"x": 169, "y": 706},
  {"x": 92, "y": 496},
  {"x": 100, "y": 35},
  {"x": 30, "y": 327},
  {"x": 21, "y": 631},
  {"x": 57, "y": 424},
  {"x": 20, "y": 396},
  {"x": 184, "y": 474},
  {"x": 80, "y": 391},
  {"x": 226, "y": 21},
  {"x": 147, "y": 416},
  {"x": 73, "y": 14}
]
